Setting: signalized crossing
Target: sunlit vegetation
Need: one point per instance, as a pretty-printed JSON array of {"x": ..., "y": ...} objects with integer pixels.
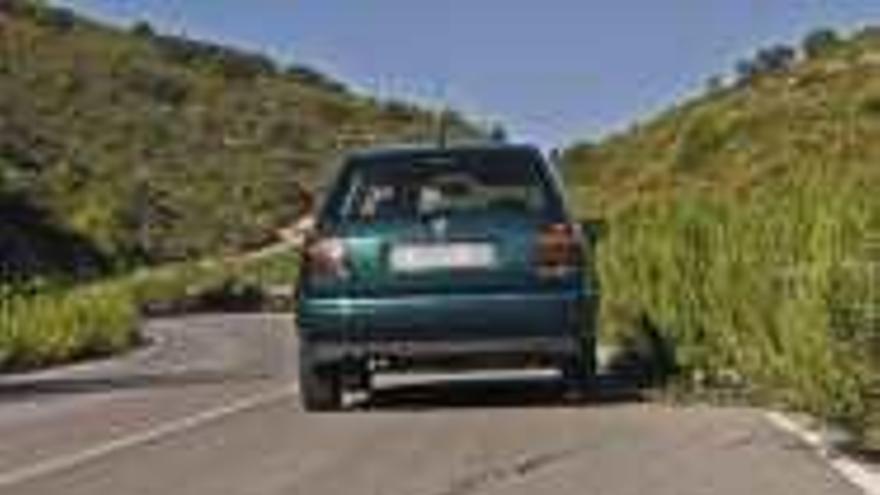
[
  {"x": 45, "y": 324},
  {"x": 128, "y": 155},
  {"x": 155, "y": 147},
  {"x": 56, "y": 325},
  {"x": 744, "y": 230}
]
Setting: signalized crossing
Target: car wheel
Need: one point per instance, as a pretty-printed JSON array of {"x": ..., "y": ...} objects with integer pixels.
[
  {"x": 365, "y": 378},
  {"x": 356, "y": 377},
  {"x": 579, "y": 376},
  {"x": 320, "y": 387}
]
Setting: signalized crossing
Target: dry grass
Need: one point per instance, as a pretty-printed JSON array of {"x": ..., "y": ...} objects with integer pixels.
[
  {"x": 42, "y": 324},
  {"x": 745, "y": 229}
]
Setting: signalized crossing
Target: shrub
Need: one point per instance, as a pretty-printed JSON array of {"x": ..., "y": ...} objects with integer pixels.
[
  {"x": 820, "y": 42},
  {"x": 42, "y": 324},
  {"x": 143, "y": 29},
  {"x": 770, "y": 60},
  {"x": 311, "y": 77},
  {"x": 157, "y": 84},
  {"x": 59, "y": 325},
  {"x": 870, "y": 104},
  {"x": 752, "y": 289}
]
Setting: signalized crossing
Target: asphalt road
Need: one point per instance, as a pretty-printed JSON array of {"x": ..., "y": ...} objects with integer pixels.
[{"x": 210, "y": 408}]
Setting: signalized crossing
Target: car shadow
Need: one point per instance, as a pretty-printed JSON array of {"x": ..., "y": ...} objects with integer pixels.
[
  {"x": 610, "y": 388},
  {"x": 19, "y": 390}
]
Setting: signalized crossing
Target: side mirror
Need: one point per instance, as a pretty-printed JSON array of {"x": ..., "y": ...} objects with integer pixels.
[{"x": 594, "y": 230}]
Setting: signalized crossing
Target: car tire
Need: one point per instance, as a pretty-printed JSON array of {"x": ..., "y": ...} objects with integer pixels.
[
  {"x": 365, "y": 378},
  {"x": 320, "y": 386},
  {"x": 579, "y": 374},
  {"x": 356, "y": 377}
]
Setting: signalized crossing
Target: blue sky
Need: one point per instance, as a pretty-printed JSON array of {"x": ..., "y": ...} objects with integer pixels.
[{"x": 551, "y": 71}]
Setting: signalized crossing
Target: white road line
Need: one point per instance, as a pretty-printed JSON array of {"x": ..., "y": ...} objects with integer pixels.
[
  {"x": 861, "y": 476},
  {"x": 52, "y": 466}
]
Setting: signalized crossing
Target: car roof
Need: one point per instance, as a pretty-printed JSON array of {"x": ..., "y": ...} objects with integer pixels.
[{"x": 418, "y": 152}]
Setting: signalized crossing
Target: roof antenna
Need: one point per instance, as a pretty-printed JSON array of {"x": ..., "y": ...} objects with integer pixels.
[
  {"x": 443, "y": 128},
  {"x": 443, "y": 115}
]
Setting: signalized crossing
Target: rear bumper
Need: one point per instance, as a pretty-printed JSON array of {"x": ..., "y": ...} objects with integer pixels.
[
  {"x": 443, "y": 326},
  {"x": 451, "y": 353}
]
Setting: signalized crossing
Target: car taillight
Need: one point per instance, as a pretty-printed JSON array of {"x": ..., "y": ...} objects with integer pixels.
[
  {"x": 558, "y": 250},
  {"x": 327, "y": 258}
]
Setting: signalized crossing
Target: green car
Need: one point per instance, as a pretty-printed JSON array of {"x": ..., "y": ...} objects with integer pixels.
[{"x": 443, "y": 258}]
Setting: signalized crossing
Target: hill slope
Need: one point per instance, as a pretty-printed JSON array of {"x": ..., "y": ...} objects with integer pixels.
[
  {"x": 744, "y": 229},
  {"x": 139, "y": 145}
]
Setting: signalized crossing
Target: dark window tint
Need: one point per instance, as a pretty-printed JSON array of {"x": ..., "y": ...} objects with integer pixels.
[{"x": 425, "y": 185}]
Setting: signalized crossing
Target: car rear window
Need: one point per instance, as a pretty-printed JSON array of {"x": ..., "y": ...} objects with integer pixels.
[{"x": 425, "y": 185}]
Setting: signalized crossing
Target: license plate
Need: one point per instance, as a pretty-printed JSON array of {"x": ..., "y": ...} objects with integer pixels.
[{"x": 457, "y": 256}]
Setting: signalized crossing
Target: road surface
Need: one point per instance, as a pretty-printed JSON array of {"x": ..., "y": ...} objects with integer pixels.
[{"x": 210, "y": 408}]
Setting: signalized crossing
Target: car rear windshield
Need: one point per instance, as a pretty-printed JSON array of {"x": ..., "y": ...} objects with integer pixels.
[{"x": 427, "y": 185}]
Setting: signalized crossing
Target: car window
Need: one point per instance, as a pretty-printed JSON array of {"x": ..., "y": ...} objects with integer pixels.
[{"x": 424, "y": 187}]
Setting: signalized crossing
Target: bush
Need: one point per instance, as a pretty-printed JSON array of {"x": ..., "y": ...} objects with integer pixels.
[
  {"x": 311, "y": 77},
  {"x": 143, "y": 29},
  {"x": 752, "y": 289},
  {"x": 58, "y": 18},
  {"x": 770, "y": 60},
  {"x": 870, "y": 105},
  {"x": 59, "y": 325},
  {"x": 42, "y": 324},
  {"x": 158, "y": 85},
  {"x": 820, "y": 42}
]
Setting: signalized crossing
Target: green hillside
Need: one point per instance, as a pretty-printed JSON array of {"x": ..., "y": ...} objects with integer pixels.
[
  {"x": 744, "y": 228},
  {"x": 130, "y": 146}
]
